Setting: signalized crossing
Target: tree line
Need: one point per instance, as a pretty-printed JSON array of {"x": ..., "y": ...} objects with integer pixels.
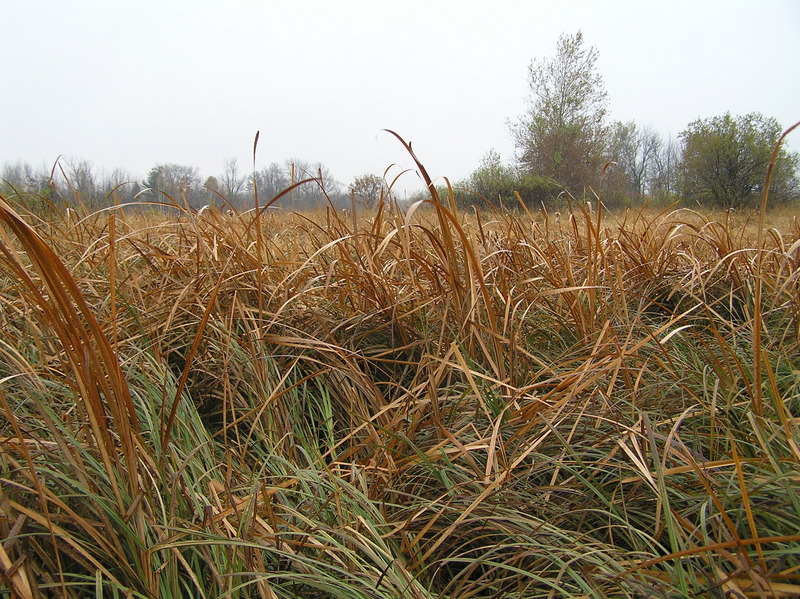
[
  {"x": 301, "y": 185},
  {"x": 565, "y": 147}
]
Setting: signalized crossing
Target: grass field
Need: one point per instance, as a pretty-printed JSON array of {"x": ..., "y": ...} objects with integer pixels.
[{"x": 415, "y": 404}]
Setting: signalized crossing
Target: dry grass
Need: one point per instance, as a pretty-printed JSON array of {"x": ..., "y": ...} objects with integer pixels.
[{"x": 418, "y": 403}]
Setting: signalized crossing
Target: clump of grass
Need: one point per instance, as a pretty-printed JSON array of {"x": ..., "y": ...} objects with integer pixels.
[{"x": 413, "y": 403}]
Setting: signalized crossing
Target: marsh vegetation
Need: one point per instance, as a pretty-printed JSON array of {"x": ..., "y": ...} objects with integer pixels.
[{"x": 426, "y": 403}]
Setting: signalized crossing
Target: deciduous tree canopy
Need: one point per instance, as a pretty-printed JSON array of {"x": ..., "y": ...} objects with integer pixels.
[
  {"x": 562, "y": 135},
  {"x": 725, "y": 160}
]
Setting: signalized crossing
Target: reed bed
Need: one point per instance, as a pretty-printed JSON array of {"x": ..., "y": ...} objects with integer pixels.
[{"x": 416, "y": 403}]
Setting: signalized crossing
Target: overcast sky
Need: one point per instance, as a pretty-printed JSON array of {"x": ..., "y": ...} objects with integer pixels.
[{"x": 136, "y": 83}]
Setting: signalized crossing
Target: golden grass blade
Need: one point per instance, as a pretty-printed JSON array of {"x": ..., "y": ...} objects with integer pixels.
[
  {"x": 430, "y": 402},
  {"x": 15, "y": 573},
  {"x": 168, "y": 423},
  {"x": 758, "y": 400},
  {"x": 94, "y": 365}
]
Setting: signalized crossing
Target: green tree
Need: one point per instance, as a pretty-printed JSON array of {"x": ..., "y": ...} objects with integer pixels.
[
  {"x": 562, "y": 135},
  {"x": 725, "y": 160},
  {"x": 498, "y": 184},
  {"x": 493, "y": 180}
]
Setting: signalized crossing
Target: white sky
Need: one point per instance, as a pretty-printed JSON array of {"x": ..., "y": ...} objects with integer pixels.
[{"x": 125, "y": 83}]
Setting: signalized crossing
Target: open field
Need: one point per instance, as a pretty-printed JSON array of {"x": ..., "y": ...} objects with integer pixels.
[{"x": 413, "y": 404}]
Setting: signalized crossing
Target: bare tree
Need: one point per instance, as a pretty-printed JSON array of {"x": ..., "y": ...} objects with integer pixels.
[
  {"x": 367, "y": 190},
  {"x": 666, "y": 165},
  {"x": 178, "y": 182},
  {"x": 33, "y": 187},
  {"x": 18, "y": 177},
  {"x": 269, "y": 181},
  {"x": 232, "y": 184},
  {"x": 81, "y": 180},
  {"x": 314, "y": 193},
  {"x": 119, "y": 186},
  {"x": 635, "y": 151}
]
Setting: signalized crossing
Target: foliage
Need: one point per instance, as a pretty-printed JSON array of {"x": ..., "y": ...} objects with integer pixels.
[
  {"x": 563, "y": 133},
  {"x": 725, "y": 159},
  {"x": 494, "y": 184},
  {"x": 492, "y": 179}
]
